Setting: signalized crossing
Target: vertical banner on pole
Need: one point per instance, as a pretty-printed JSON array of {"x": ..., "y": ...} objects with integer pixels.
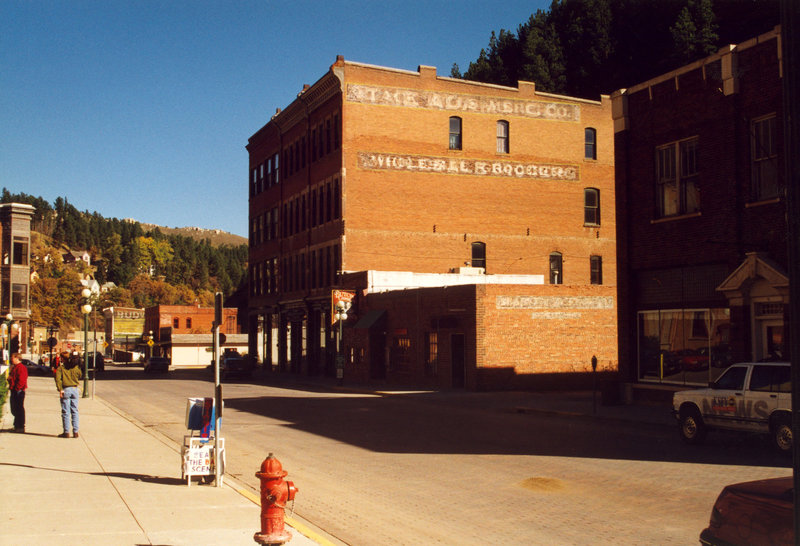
[{"x": 217, "y": 390}]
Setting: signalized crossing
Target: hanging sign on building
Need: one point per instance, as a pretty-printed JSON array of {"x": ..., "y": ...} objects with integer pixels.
[{"x": 346, "y": 296}]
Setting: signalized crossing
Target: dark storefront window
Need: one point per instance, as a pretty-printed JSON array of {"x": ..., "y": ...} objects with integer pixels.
[
  {"x": 432, "y": 354},
  {"x": 685, "y": 346},
  {"x": 400, "y": 355}
]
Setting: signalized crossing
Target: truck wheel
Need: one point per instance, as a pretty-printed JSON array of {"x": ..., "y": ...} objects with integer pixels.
[
  {"x": 782, "y": 434},
  {"x": 692, "y": 428}
]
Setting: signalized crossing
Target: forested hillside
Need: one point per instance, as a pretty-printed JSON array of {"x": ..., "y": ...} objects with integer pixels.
[
  {"x": 584, "y": 48},
  {"x": 148, "y": 267}
]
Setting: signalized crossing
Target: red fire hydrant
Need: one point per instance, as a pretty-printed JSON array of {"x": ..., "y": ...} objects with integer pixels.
[{"x": 275, "y": 492}]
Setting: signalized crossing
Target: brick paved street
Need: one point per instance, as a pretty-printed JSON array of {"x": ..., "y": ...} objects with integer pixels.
[{"x": 464, "y": 468}]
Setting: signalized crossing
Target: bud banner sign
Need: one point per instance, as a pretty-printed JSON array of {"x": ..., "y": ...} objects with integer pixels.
[{"x": 337, "y": 296}]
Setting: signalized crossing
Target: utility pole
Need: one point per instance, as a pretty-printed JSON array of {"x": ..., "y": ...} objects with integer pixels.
[{"x": 791, "y": 154}]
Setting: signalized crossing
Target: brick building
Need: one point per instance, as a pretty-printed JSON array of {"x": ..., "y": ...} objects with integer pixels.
[
  {"x": 184, "y": 332},
  {"x": 437, "y": 186},
  {"x": 164, "y": 320},
  {"x": 15, "y": 273},
  {"x": 701, "y": 210}
]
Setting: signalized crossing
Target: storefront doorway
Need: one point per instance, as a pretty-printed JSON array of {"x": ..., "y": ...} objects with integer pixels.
[{"x": 760, "y": 288}]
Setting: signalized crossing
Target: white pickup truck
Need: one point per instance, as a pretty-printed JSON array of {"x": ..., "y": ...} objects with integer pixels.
[{"x": 748, "y": 397}]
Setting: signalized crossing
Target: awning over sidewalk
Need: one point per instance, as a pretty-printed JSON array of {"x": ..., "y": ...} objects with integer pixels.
[{"x": 371, "y": 319}]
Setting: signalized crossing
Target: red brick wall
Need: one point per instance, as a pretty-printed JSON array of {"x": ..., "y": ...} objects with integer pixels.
[
  {"x": 202, "y": 319},
  {"x": 545, "y": 329},
  {"x": 516, "y": 336},
  {"x": 726, "y": 228},
  {"x": 423, "y": 221}
]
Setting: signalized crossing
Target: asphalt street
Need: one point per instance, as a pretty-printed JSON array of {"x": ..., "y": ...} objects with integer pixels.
[{"x": 455, "y": 467}]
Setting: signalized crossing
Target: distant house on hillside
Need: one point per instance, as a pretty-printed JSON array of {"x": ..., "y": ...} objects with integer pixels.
[
  {"x": 75, "y": 256},
  {"x": 96, "y": 287}
]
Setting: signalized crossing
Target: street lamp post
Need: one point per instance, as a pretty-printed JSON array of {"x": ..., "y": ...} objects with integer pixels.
[
  {"x": 86, "y": 309},
  {"x": 50, "y": 339}
]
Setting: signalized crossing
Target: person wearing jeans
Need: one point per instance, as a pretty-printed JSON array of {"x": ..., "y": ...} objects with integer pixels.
[
  {"x": 17, "y": 384},
  {"x": 68, "y": 377}
]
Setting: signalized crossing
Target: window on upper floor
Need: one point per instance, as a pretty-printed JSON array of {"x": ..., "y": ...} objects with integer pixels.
[
  {"x": 328, "y": 137},
  {"x": 556, "y": 273},
  {"x": 176, "y": 322},
  {"x": 455, "y": 133},
  {"x": 337, "y": 132},
  {"x": 313, "y": 144},
  {"x": 19, "y": 296},
  {"x": 188, "y": 323},
  {"x": 677, "y": 178},
  {"x": 479, "y": 255},
  {"x": 596, "y": 269},
  {"x": 20, "y": 251},
  {"x": 502, "y": 137},
  {"x": 591, "y": 207},
  {"x": 337, "y": 199},
  {"x": 765, "y": 170},
  {"x": 590, "y": 143}
]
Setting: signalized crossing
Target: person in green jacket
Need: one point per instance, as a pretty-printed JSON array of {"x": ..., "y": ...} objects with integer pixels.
[{"x": 68, "y": 377}]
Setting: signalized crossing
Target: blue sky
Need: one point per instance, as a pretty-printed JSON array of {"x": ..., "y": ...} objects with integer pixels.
[{"x": 142, "y": 109}]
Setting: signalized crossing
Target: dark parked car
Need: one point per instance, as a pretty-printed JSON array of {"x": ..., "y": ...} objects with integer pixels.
[
  {"x": 96, "y": 361},
  {"x": 37, "y": 369},
  {"x": 758, "y": 512},
  {"x": 234, "y": 365},
  {"x": 156, "y": 364}
]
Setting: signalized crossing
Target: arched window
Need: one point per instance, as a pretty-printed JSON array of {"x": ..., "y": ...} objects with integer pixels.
[
  {"x": 479, "y": 255},
  {"x": 502, "y": 137},
  {"x": 455, "y": 133},
  {"x": 590, "y": 143},
  {"x": 591, "y": 207},
  {"x": 556, "y": 273}
]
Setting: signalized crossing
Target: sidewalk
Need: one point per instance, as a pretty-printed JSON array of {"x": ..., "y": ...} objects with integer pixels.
[{"x": 118, "y": 484}]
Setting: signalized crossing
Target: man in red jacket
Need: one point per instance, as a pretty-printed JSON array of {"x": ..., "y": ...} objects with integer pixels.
[{"x": 17, "y": 385}]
